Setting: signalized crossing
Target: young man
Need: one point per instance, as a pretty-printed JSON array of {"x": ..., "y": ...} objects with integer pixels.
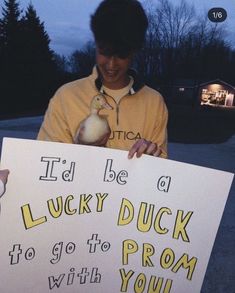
[{"x": 138, "y": 120}]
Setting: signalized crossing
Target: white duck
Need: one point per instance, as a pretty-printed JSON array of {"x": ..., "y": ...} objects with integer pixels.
[{"x": 94, "y": 127}]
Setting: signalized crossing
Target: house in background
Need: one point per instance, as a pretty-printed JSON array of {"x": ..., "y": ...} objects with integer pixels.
[
  {"x": 189, "y": 92},
  {"x": 216, "y": 93}
]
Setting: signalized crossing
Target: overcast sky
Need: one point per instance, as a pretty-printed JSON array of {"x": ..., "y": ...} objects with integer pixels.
[{"x": 67, "y": 22}]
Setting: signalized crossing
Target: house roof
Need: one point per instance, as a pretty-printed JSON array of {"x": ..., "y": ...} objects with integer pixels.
[{"x": 218, "y": 81}]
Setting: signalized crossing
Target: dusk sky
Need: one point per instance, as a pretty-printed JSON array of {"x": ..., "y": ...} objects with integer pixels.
[{"x": 67, "y": 22}]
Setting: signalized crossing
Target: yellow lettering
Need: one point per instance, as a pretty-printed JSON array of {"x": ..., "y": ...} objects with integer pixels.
[
  {"x": 125, "y": 279},
  {"x": 140, "y": 283},
  {"x": 168, "y": 286},
  {"x": 67, "y": 208},
  {"x": 145, "y": 217},
  {"x": 180, "y": 225},
  {"x": 100, "y": 198},
  {"x": 55, "y": 213},
  {"x": 84, "y": 199},
  {"x": 186, "y": 264},
  {"x": 29, "y": 222},
  {"x": 158, "y": 218},
  {"x": 126, "y": 205},
  {"x": 128, "y": 247},
  {"x": 148, "y": 250},
  {"x": 167, "y": 258},
  {"x": 153, "y": 286},
  {"x": 156, "y": 287}
]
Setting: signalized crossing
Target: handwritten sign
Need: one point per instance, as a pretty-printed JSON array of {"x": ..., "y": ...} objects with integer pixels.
[{"x": 87, "y": 219}]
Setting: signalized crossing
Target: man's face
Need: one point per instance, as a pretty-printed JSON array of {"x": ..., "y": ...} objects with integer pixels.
[{"x": 113, "y": 69}]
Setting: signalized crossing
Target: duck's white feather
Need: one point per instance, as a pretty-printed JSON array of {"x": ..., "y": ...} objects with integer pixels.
[{"x": 95, "y": 127}]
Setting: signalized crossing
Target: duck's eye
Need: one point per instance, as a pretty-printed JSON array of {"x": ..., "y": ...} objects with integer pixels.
[{"x": 98, "y": 99}]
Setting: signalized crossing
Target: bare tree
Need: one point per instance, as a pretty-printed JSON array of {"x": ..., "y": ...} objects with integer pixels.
[
  {"x": 179, "y": 42},
  {"x": 168, "y": 26},
  {"x": 204, "y": 52},
  {"x": 82, "y": 61}
]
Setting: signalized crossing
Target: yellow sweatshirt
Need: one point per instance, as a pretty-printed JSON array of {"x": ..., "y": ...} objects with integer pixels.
[{"x": 140, "y": 114}]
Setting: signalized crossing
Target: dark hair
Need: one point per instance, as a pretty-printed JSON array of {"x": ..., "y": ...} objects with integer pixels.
[{"x": 119, "y": 27}]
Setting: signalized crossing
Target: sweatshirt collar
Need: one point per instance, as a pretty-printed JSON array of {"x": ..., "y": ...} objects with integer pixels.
[{"x": 137, "y": 84}]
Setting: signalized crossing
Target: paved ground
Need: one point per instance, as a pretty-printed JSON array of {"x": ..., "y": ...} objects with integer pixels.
[{"x": 220, "y": 276}]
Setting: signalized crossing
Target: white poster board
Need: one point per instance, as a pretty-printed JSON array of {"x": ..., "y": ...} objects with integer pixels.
[{"x": 87, "y": 219}]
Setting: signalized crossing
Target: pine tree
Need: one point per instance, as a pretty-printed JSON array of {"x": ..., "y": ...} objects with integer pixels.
[
  {"x": 27, "y": 70},
  {"x": 9, "y": 35},
  {"x": 10, "y": 20},
  {"x": 39, "y": 65},
  {"x": 10, "y": 41},
  {"x": 1, "y": 43},
  {"x": 37, "y": 39}
]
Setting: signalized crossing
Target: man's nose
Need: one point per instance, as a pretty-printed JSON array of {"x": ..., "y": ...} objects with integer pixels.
[{"x": 112, "y": 61}]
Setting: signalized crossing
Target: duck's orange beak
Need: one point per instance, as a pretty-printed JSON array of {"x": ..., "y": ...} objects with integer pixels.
[{"x": 107, "y": 106}]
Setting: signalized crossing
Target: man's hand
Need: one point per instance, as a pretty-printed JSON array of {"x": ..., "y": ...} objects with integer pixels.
[
  {"x": 4, "y": 175},
  {"x": 143, "y": 146},
  {"x": 3, "y": 180}
]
